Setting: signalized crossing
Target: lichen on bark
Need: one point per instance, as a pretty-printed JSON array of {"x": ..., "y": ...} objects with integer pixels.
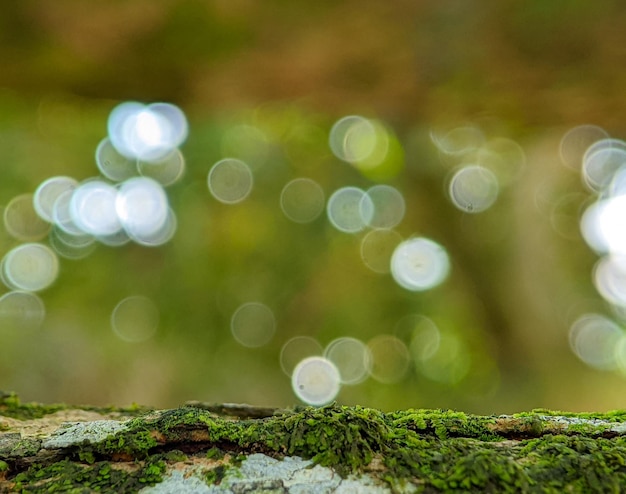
[{"x": 126, "y": 450}]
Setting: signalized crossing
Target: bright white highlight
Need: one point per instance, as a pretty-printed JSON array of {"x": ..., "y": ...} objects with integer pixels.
[
  {"x": 92, "y": 208},
  {"x": 602, "y": 225},
  {"x": 142, "y": 208},
  {"x": 147, "y": 133},
  {"x": 136, "y": 209},
  {"x": 419, "y": 264},
  {"x": 316, "y": 381},
  {"x": 609, "y": 277}
]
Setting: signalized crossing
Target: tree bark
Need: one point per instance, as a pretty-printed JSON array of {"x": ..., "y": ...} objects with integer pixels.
[{"x": 206, "y": 448}]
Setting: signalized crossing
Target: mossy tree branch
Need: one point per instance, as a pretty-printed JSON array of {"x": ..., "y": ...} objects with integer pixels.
[{"x": 48, "y": 447}]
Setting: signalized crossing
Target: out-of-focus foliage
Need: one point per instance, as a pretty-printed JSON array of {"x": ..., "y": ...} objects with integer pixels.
[{"x": 526, "y": 71}]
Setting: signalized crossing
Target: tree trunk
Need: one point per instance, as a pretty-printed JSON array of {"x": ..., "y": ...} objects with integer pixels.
[{"x": 204, "y": 448}]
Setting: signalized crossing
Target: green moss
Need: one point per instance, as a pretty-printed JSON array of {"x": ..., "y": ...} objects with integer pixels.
[
  {"x": 215, "y": 475},
  {"x": 435, "y": 450},
  {"x": 68, "y": 476},
  {"x": 87, "y": 457},
  {"x": 445, "y": 423},
  {"x": 175, "y": 456},
  {"x": 25, "y": 447},
  {"x": 215, "y": 454},
  {"x": 612, "y": 416},
  {"x": 11, "y": 406},
  {"x": 135, "y": 444},
  {"x": 443, "y": 450}
]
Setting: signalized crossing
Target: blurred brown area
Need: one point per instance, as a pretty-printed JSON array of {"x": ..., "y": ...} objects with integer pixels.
[
  {"x": 527, "y": 71},
  {"x": 534, "y": 63}
]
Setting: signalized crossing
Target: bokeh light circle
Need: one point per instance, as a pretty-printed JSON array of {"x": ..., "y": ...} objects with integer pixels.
[
  {"x": 345, "y": 209},
  {"x": 382, "y": 206},
  {"x": 142, "y": 207},
  {"x": 602, "y": 225},
  {"x": 390, "y": 358},
  {"x": 424, "y": 336},
  {"x": 112, "y": 164},
  {"x": 135, "y": 319},
  {"x": 302, "y": 200},
  {"x": 601, "y": 162},
  {"x": 419, "y": 264},
  {"x": 22, "y": 221},
  {"x": 593, "y": 338},
  {"x": 297, "y": 349},
  {"x": 351, "y": 358},
  {"x": 352, "y": 138},
  {"x": 609, "y": 277},
  {"x": 253, "y": 324},
  {"x": 230, "y": 181},
  {"x": 116, "y": 124},
  {"x": 62, "y": 214},
  {"x": 116, "y": 239},
  {"x": 473, "y": 189},
  {"x": 377, "y": 247},
  {"x": 458, "y": 141},
  {"x": 71, "y": 246},
  {"x": 178, "y": 127},
  {"x": 448, "y": 363},
  {"x": 145, "y": 132},
  {"x": 48, "y": 192},
  {"x": 160, "y": 236},
  {"x": 21, "y": 310},
  {"x": 316, "y": 381},
  {"x": 504, "y": 157},
  {"x": 167, "y": 171},
  {"x": 92, "y": 208},
  {"x": 30, "y": 267},
  {"x": 576, "y": 141}
]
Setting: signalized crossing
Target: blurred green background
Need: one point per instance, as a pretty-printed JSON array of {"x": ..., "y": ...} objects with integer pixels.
[{"x": 521, "y": 272}]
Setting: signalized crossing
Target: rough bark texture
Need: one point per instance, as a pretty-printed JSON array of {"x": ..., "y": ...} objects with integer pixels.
[{"x": 206, "y": 448}]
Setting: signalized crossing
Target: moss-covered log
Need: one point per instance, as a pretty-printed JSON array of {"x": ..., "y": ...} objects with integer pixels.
[{"x": 237, "y": 448}]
